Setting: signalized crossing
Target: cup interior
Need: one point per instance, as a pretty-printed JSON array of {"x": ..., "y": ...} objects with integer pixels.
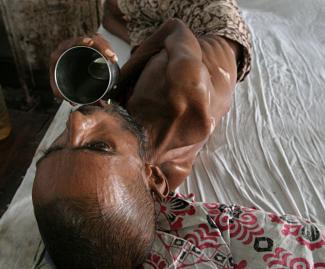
[{"x": 74, "y": 80}]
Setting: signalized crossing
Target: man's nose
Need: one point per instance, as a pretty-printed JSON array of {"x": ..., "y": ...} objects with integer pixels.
[{"x": 78, "y": 127}]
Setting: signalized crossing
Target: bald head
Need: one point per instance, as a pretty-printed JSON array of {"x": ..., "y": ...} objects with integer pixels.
[
  {"x": 91, "y": 194},
  {"x": 82, "y": 233}
]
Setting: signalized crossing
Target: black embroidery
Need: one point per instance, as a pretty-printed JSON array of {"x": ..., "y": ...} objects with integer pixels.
[
  {"x": 310, "y": 232},
  {"x": 263, "y": 244},
  {"x": 220, "y": 258}
]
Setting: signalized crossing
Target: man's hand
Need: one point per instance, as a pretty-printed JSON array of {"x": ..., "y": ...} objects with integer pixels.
[{"x": 96, "y": 41}]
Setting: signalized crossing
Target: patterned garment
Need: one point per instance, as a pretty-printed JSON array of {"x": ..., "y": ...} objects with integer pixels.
[
  {"x": 211, "y": 235},
  {"x": 213, "y": 17}
]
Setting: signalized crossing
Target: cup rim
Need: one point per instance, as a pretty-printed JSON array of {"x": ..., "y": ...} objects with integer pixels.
[{"x": 57, "y": 85}]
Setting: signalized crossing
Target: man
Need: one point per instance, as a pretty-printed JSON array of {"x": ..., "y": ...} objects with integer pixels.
[{"x": 94, "y": 187}]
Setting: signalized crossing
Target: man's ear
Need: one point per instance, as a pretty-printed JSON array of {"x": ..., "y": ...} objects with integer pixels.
[{"x": 157, "y": 181}]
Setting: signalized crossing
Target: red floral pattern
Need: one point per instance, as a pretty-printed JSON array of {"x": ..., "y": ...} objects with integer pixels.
[
  {"x": 156, "y": 261},
  {"x": 285, "y": 258},
  {"x": 212, "y": 235},
  {"x": 307, "y": 234}
]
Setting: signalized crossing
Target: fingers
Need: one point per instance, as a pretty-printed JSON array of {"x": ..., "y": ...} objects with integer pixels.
[
  {"x": 111, "y": 55},
  {"x": 100, "y": 44},
  {"x": 87, "y": 41},
  {"x": 96, "y": 41}
]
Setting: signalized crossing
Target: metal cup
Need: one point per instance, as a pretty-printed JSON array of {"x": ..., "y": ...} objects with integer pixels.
[{"x": 84, "y": 76}]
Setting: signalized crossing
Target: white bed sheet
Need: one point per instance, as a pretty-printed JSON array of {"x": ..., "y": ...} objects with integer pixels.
[{"x": 269, "y": 150}]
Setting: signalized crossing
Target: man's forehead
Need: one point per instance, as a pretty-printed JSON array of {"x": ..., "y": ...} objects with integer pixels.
[
  {"x": 82, "y": 175},
  {"x": 65, "y": 175}
]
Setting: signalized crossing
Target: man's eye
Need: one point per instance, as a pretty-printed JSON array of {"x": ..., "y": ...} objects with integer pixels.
[{"x": 99, "y": 146}]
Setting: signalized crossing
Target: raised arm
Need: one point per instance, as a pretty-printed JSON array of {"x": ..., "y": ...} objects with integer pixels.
[
  {"x": 201, "y": 70},
  {"x": 168, "y": 34},
  {"x": 175, "y": 98}
]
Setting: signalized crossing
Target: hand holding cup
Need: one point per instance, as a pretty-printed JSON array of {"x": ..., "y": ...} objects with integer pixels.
[{"x": 83, "y": 70}]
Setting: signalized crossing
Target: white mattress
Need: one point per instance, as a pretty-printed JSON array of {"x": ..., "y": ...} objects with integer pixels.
[{"x": 269, "y": 150}]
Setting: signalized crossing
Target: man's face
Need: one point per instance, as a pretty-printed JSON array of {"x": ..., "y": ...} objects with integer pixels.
[{"x": 95, "y": 155}]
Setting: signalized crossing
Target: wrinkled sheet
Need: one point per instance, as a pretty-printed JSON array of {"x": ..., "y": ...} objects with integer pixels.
[{"x": 269, "y": 150}]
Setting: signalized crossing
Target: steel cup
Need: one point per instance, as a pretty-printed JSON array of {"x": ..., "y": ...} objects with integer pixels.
[{"x": 84, "y": 76}]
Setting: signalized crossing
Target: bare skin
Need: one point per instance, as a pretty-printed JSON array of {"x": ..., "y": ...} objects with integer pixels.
[
  {"x": 88, "y": 160},
  {"x": 193, "y": 82},
  {"x": 182, "y": 86}
]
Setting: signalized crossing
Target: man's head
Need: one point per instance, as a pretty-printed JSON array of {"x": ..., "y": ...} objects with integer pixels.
[{"x": 92, "y": 192}]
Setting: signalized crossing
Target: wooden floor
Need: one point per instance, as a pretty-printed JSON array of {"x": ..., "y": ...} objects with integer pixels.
[{"x": 17, "y": 151}]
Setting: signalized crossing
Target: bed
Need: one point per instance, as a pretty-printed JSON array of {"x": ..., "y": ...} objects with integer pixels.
[{"x": 269, "y": 150}]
